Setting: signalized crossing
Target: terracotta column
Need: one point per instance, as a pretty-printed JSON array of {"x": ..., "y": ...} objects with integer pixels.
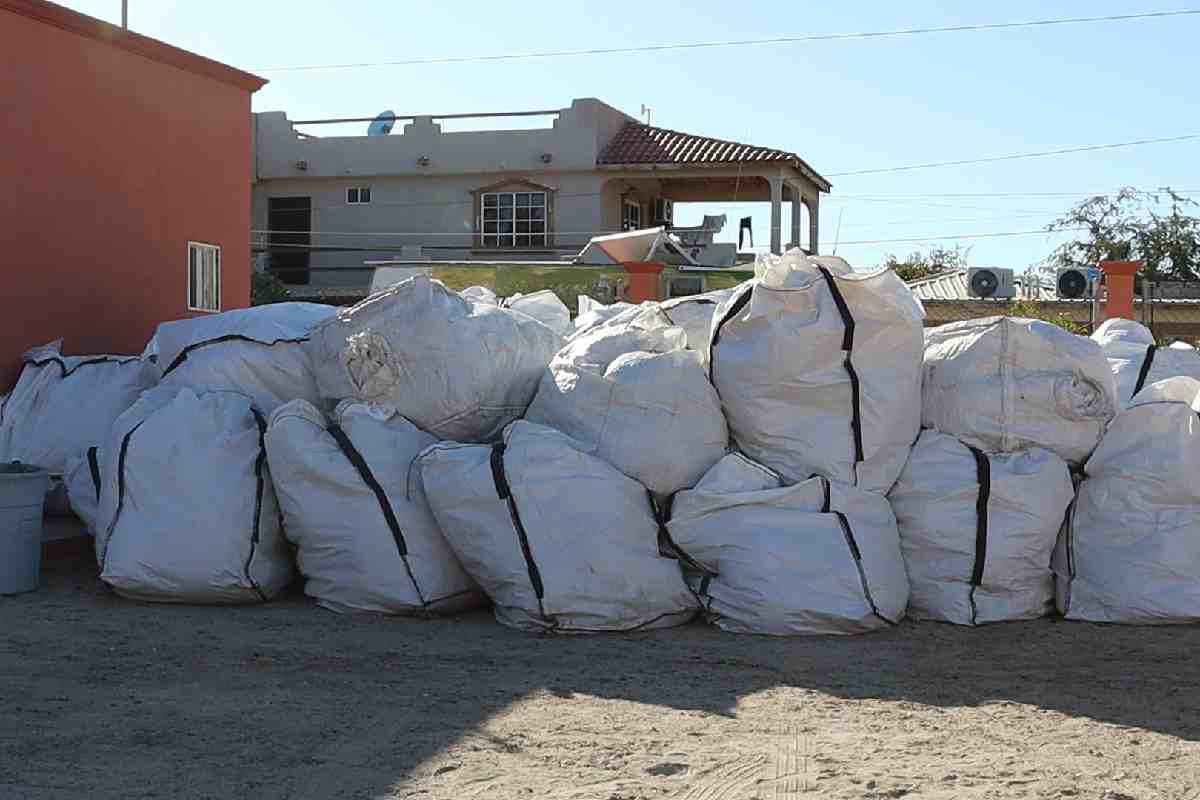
[
  {"x": 643, "y": 279},
  {"x": 1118, "y": 277}
]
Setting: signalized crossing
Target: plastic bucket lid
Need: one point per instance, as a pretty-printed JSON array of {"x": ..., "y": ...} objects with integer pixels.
[{"x": 17, "y": 470}]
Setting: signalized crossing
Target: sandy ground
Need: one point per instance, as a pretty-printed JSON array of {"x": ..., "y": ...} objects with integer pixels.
[{"x": 104, "y": 698}]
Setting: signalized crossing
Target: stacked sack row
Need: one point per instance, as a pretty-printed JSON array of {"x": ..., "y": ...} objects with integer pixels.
[
  {"x": 1009, "y": 407},
  {"x": 747, "y": 454}
]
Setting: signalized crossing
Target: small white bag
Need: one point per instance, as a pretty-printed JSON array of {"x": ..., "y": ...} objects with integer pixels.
[{"x": 812, "y": 558}]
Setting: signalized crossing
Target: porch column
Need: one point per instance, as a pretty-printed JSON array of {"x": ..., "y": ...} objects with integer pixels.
[
  {"x": 776, "y": 215},
  {"x": 797, "y": 202},
  {"x": 813, "y": 204}
]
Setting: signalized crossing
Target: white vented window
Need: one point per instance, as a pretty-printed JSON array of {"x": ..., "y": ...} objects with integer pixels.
[
  {"x": 204, "y": 277},
  {"x": 513, "y": 219},
  {"x": 358, "y": 195}
]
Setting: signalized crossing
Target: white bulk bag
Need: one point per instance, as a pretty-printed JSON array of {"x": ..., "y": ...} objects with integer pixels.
[
  {"x": 812, "y": 558},
  {"x": 1137, "y": 361},
  {"x": 561, "y": 541},
  {"x": 633, "y": 396},
  {"x": 83, "y": 482},
  {"x": 187, "y": 511},
  {"x": 365, "y": 538},
  {"x": 544, "y": 306},
  {"x": 591, "y": 313},
  {"x": 458, "y": 369},
  {"x": 62, "y": 405},
  {"x": 694, "y": 314},
  {"x": 1131, "y": 549},
  {"x": 257, "y": 351},
  {"x": 1007, "y": 383},
  {"x": 480, "y": 294},
  {"x": 977, "y": 530},
  {"x": 819, "y": 369}
]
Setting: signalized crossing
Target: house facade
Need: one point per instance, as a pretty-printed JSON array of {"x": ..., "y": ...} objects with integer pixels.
[
  {"x": 322, "y": 205},
  {"x": 127, "y": 171}
]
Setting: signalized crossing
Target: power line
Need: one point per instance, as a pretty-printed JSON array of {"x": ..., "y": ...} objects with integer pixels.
[
  {"x": 1014, "y": 157},
  {"x": 816, "y": 37}
]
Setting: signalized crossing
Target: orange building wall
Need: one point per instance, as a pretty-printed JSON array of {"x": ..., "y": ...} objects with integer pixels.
[{"x": 110, "y": 162}]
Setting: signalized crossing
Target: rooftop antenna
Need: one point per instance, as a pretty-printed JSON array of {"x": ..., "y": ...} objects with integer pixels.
[
  {"x": 646, "y": 112},
  {"x": 382, "y": 124},
  {"x": 837, "y": 234}
]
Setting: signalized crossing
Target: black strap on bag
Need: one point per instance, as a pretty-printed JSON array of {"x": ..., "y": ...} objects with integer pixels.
[
  {"x": 666, "y": 545},
  {"x": 1144, "y": 372},
  {"x": 94, "y": 468},
  {"x": 848, "y": 364},
  {"x": 260, "y": 487},
  {"x": 734, "y": 309},
  {"x": 230, "y": 337},
  {"x": 855, "y": 552},
  {"x": 389, "y": 515},
  {"x": 121, "y": 458},
  {"x": 504, "y": 491},
  {"x": 983, "y": 472}
]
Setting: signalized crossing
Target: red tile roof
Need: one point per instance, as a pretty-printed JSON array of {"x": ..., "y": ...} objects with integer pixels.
[{"x": 637, "y": 143}]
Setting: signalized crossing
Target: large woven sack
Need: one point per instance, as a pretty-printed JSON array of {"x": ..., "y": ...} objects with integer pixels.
[
  {"x": 560, "y": 540},
  {"x": 62, "y": 405},
  {"x": 634, "y": 396},
  {"x": 354, "y": 507},
  {"x": 189, "y": 512},
  {"x": 818, "y": 369},
  {"x": 694, "y": 314},
  {"x": 1131, "y": 548},
  {"x": 977, "y": 530},
  {"x": 1137, "y": 361},
  {"x": 812, "y": 558},
  {"x": 1003, "y": 384},
  {"x": 258, "y": 352},
  {"x": 458, "y": 369}
]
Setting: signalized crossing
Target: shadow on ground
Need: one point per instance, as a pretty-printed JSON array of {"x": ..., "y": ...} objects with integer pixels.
[{"x": 107, "y": 698}]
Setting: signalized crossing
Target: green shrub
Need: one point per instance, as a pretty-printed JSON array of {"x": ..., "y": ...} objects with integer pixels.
[{"x": 265, "y": 289}]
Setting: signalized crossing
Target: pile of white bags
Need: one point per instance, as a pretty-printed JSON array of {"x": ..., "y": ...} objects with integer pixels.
[
  {"x": 560, "y": 540},
  {"x": 812, "y": 558},
  {"x": 694, "y": 314},
  {"x": 256, "y": 351},
  {"x": 977, "y": 530},
  {"x": 62, "y": 405},
  {"x": 1131, "y": 549},
  {"x": 459, "y": 369},
  {"x": 365, "y": 538},
  {"x": 818, "y": 369},
  {"x": 1006, "y": 383},
  {"x": 632, "y": 395},
  {"x": 1137, "y": 361},
  {"x": 187, "y": 511}
]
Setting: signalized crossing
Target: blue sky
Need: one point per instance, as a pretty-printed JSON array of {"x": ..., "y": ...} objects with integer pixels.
[{"x": 843, "y": 106}]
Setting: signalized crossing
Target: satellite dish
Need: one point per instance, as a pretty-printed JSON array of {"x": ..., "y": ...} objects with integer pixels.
[{"x": 383, "y": 124}]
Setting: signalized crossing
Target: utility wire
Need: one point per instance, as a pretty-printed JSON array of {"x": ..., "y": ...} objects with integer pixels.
[
  {"x": 816, "y": 37},
  {"x": 1014, "y": 157}
]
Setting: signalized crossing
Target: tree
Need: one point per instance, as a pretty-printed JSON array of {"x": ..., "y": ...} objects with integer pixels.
[
  {"x": 1133, "y": 225},
  {"x": 925, "y": 265},
  {"x": 266, "y": 289}
]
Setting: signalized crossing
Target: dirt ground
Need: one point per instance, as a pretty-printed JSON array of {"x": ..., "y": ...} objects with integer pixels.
[{"x": 104, "y": 698}]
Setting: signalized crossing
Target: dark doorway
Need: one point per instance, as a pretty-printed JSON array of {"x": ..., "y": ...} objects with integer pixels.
[{"x": 289, "y": 220}]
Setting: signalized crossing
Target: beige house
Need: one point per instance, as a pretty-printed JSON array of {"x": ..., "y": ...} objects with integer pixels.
[{"x": 322, "y": 205}]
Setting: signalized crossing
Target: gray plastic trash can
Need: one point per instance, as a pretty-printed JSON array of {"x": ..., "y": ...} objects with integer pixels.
[{"x": 22, "y": 492}]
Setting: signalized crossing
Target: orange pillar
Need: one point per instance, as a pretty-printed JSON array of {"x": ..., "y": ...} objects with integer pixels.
[
  {"x": 643, "y": 279},
  {"x": 1118, "y": 277}
]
